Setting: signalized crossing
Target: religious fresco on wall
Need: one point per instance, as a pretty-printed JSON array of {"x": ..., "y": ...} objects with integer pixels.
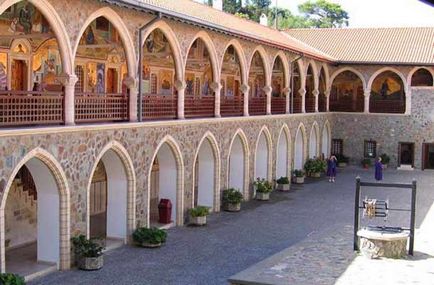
[
  {"x": 100, "y": 78},
  {"x": 207, "y": 79},
  {"x": 387, "y": 86},
  {"x": 231, "y": 62},
  {"x": 189, "y": 81},
  {"x": 166, "y": 82},
  {"x": 157, "y": 50},
  {"x": 3, "y": 71},
  {"x": 91, "y": 76},
  {"x": 230, "y": 85},
  {"x": 276, "y": 85},
  {"x": 23, "y": 21},
  {"x": 47, "y": 66}
]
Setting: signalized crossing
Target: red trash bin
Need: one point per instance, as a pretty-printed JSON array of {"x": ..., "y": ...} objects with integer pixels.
[{"x": 165, "y": 211}]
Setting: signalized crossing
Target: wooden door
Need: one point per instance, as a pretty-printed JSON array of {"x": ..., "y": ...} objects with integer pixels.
[
  {"x": 19, "y": 75},
  {"x": 406, "y": 154},
  {"x": 112, "y": 81},
  {"x": 98, "y": 203},
  {"x": 155, "y": 192}
]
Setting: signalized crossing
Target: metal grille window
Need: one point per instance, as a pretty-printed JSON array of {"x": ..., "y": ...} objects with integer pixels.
[
  {"x": 370, "y": 149},
  {"x": 337, "y": 147}
]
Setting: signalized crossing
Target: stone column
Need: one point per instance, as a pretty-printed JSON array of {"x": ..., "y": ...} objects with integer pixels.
[
  {"x": 68, "y": 81},
  {"x": 130, "y": 83},
  {"x": 180, "y": 87},
  {"x": 216, "y": 87},
  {"x": 315, "y": 93},
  {"x": 302, "y": 93},
  {"x": 327, "y": 95},
  {"x": 366, "y": 95},
  {"x": 408, "y": 101},
  {"x": 245, "y": 90},
  {"x": 267, "y": 90},
  {"x": 287, "y": 92}
]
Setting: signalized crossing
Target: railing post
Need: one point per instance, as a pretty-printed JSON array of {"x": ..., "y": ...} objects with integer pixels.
[
  {"x": 268, "y": 90},
  {"x": 327, "y": 95},
  {"x": 245, "y": 90},
  {"x": 68, "y": 81},
  {"x": 180, "y": 87},
  {"x": 356, "y": 215},
  {"x": 130, "y": 83},
  {"x": 287, "y": 92},
  {"x": 366, "y": 95},
  {"x": 302, "y": 93},
  {"x": 216, "y": 87},
  {"x": 315, "y": 93}
]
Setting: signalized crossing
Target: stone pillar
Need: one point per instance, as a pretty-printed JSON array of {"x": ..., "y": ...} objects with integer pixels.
[
  {"x": 245, "y": 90},
  {"x": 216, "y": 87},
  {"x": 268, "y": 90},
  {"x": 302, "y": 93},
  {"x": 180, "y": 87},
  {"x": 327, "y": 95},
  {"x": 68, "y": 81},
  {"x": 287, "y": 92},
  {"x": 408, "y": 101},
  {"x": 366, "y": 95},
  {"x": 315, "y": 93},
  {"x": 130, "y": 83}
]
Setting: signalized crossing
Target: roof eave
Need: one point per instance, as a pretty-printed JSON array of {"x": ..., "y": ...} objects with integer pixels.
[{"x": 341, "y": 62}]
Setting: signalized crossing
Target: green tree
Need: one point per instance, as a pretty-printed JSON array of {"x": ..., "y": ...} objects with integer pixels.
[
  {"x": 232, "y": 6},
  {"x": 261, "y": 4},
  {"x": 285, "y": 19},
  {"x": 323, "y": 14}
]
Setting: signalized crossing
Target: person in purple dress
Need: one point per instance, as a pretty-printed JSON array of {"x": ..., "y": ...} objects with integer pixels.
[
  {"x": 378, "y": 170},
  {"x": 331, "y": 168}
]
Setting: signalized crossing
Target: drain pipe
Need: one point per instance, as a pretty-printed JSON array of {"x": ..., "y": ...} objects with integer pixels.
[
  {"x": 142, "y": 28},
  {"x": 291, "y": 64}
]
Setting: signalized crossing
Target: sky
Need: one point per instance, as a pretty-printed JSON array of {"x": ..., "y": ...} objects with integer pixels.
[{"x": 379, "y": 13}]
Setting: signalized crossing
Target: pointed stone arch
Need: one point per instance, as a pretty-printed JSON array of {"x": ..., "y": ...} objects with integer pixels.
[
  {"x": 300, "y": 147},
  {"x": 283, "y": 157},
  {"x": 326, "y": 139},
  {"x": 284, "y": 59},
  {"x": 414, "y": 70},
  {"x": 54, "y": 169},
  {"x": 245, "y": 163},
  {"x": 384, "y": 69},
  {"x": 177, "y": 155},
  {"x": 315, "y": 73},
  {"x": 242, "y": 57},
  {"x": 351, "y": 69},
  {"x": 210, "y": 138},
  {"x": 269, "y": 158},
  {"x": 314, "y": 144},
  {"x": 117, "y": 157},
  {"x": 265, "y": 62}
]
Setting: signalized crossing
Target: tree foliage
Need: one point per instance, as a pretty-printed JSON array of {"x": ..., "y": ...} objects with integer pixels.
[{"x": 323, "y": 14}]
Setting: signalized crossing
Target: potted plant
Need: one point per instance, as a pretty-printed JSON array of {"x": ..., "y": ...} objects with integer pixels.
[
  {"x": 385, "y": 159},
  {"x": 314, "y": 167},
  {"x": 283, "y": 184},
  {"x": 298, "y": 176},
  {"x": 149, "y": 237},
  {"x": 11, "y": 279},
  {"x": 88, "y": 253},
  {"x": 232, "y": 200},
  {"x": 366, "y": 162},
  {"x": 198, "y": 215},
  {"x": 342, "y": 160},
  {"x": 263, "y": 189}
]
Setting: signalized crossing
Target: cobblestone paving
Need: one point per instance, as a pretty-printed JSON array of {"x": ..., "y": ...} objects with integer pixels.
[{"x": 312, "y": 224}]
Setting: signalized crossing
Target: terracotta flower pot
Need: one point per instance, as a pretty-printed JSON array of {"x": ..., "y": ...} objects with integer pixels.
[{"x": 90, "y": 263}]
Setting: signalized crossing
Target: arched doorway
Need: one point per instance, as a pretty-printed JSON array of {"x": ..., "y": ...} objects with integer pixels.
[
  {"x": 160, "y": 99},
  {"x": 387, "y": 94},
  {"x": 164, "y": 183},
  {"x": 322, "y": 99},
  {"x": 313, "y": 142},
  {"x": 421, "y": 77},
  {"x": 231, "y": 98},
  {"x": 237, "y": 166},
  {"x": 299, "y": 149},
  {"x": 199, "y": 96},
  {"x": 296, "y": 86},
  {"x": 325, "y": 143},
  {"x": 278, "y": 96},
  {"x": 310, "y": 87},
  {"x": 346, "y": 94},
  {"x": 257, "y": 96},
  {"x": 101, "y": 92},
  {"x": 262, "y": 157},
  {"x": 31, "y": 68},
  {"x": 283, "y": 154}
]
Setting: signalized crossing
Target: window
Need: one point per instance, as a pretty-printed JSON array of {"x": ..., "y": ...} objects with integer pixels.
[
  {"x": 370, "y": 149},
  {"x": 337, "y": 147}
]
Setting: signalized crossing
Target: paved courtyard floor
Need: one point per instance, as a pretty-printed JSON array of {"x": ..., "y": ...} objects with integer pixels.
[{"x": 310, "y": 228}]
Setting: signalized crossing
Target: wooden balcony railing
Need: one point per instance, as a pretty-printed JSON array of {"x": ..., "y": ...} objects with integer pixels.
[
  {"x": 99, "y": 107},
  {"x": 297, "y": 105},
  {"x": 195, "y": 107},
  {"x": 387, "y": 106},
  {"x": 322, "y": 103},
  {"x": 258, "y": 106},
  {"x": 160, "y": 107},
  {"x": 231, "y": 106},
  {"x": 278, "y": 105},
  {"x": 31, "y": 108},
  {"x": 310, "y": 104},
  {"x": 347, "y": 105}
]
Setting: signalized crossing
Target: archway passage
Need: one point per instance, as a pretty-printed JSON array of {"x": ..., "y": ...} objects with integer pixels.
[
  {"x": 199, "y": 97},
  {"x": 257, "y": 96},
  {"x": 422, "y": 77},
  {"x": 30, "y": 68},
  {"x": 108, "y": 200},
  {"x": 313, "y": 143},
  {"x": 310, "y": 86},
  {"x": 282, "y": 157},
  {"x": 299, "y": 151},
  {"x": 164, "y": 185},
  {"x": 322, "y": 99},
  {"x": 101, "y": 92},
  {"x": 237, "y": 171},
  {"x": 387, "y": 94},
  {"x": 278, "y": 96},
  {"x": 296, "y": 86},
  {"x": 231, "y": 99},
  {"x": 325, "y": 143},
  {"x": 160, "y": 99},
  {"x": 32, "y": 220},
  {"x": 205, "y": 171},
  {"x": 347, "y": 93},
  {"x": 261, "y": 158}
]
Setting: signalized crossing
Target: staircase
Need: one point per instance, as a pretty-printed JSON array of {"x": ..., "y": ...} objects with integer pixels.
[{"x": 26, "y": 181}]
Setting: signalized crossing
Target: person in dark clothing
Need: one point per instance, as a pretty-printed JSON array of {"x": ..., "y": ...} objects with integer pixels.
[
  {"x": 378, "y": 170},
  {"x": 331, "y": 168}
]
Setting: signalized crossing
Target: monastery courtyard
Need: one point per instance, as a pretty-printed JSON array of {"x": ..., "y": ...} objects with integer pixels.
[{"x": 309, "y": 228}]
